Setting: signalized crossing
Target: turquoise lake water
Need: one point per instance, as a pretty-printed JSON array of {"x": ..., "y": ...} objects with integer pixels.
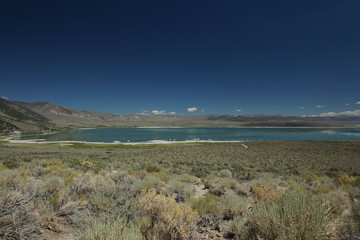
[{"x": 215, "y": 134}]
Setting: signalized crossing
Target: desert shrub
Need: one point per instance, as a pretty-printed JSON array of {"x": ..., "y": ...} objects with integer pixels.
[
  {"x": 150, "y": 229},
  {"x": 57, "y": 170},
  {"x": 354, "y": 193},
  {"x": 76, "y": 214},
  {"x": 3, "y": 167},
  {"x": 153, "y": 168},
  {"x": 17, "y": 220},
  {"x": 356, "y": 183},
  {"x": 321, "y": 190},
  {"x": 350, "y": 227},
  {"x": 149, "y": 182},
  {"x": 37, "y": 171},
  {"x": 53, "y": 163},
  {"x": 208, "y": 204},
  {"x": 297, "y": 183},
  {"x": 116, "y": 198},
  {"x": 232, "y": 205},
  {"x": 167, "y": 219},
  {"x": 336, "y": 202},
  {"x": 314, "y": 177},
  {"x": 50, "y": 186},
  {"x": 11, "y": 163},
  {"x": 219, "y": 186},
  {"x": 111, "y": 199},
  {"x": 189, "y": 179},
  {"x": 296, "y": 215},
  {"x": 200, "y": 171},
  {"x": 46, "y": 215},
  {"x": 225, "y": 173},
  {"x": 28, "y": 185},
  {"x": 248, "y": 175},
  {"x": 86, "y": 165},
  {"x": 100, "y": 203},
  {"x": 162, "y": 176},
  {"x": 265, "y": 193},
  {"x": 11, "y": 179},
  {"x": 118, "y": 176},
  {"x": 106, "y": 228},
  {"x": 346, "y": 179},
  {"x": 240, "y": 228},
  {"x": 125, "y": 186},
  {"x": 355, "y": 215},
  {"x": 128, "y": 208},
  {"x": 54, "y": 200},
  {"x": 82, "y": 184},
  {"x": 104, "y": 185},
  {"x": 179, "y": 190},
  {"x": 321, "y": 185},
  {"x": 70, "y": 178}
]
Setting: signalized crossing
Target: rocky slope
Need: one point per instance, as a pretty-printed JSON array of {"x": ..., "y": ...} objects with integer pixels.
[{"x": 14, "y": 117}]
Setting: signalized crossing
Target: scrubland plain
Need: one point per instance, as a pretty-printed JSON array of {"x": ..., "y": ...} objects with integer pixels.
[{"x": 253, "y": 190}]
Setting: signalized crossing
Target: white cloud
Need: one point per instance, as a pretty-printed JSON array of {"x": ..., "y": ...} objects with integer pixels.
[
  {"x": 301, "y": 107},
  {"x": 358, "y": 102},
  {"x": 145, "y": 112},
  {"x": 192, "y": 109},
  {"x": 238, "y": 110},
  {"x": 4, "y": 97},
  {"x": 158, "y": 112},
  {"x": 162, "y": 112},
  {"x": 320, "y": 106},
  {"x": 355, "y": 113},
  {"x": 347, "y": 104},
  {"x": 202, "y": 110}
]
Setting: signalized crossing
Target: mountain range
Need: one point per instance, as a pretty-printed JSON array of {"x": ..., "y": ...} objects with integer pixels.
[
  {"x": 44, "y": 116},
  {"x": 14, "y": 117}
]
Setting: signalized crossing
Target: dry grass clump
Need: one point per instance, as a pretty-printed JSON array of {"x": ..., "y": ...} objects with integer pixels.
[
  {"x": 116, "y": 228},
  {"x": 172, "y": 220},
  {"x": 265, "y": 193},
  {"x": 295, "y": 215}
]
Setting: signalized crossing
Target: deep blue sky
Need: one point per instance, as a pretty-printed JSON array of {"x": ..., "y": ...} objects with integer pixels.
[{"x": 271, "y": 57}]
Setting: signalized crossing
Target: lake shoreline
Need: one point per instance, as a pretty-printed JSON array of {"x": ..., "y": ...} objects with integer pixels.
[
  {"x": 176, "y": 135},
  {"x": 42, "y": 141}
]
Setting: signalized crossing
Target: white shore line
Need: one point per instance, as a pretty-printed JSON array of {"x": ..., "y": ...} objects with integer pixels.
[
  {"x": 42, "y": 141},
  {"x": 162, "y": 127}
]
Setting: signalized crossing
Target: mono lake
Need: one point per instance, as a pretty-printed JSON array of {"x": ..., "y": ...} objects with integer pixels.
[{"x": 203, "y": 134}]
